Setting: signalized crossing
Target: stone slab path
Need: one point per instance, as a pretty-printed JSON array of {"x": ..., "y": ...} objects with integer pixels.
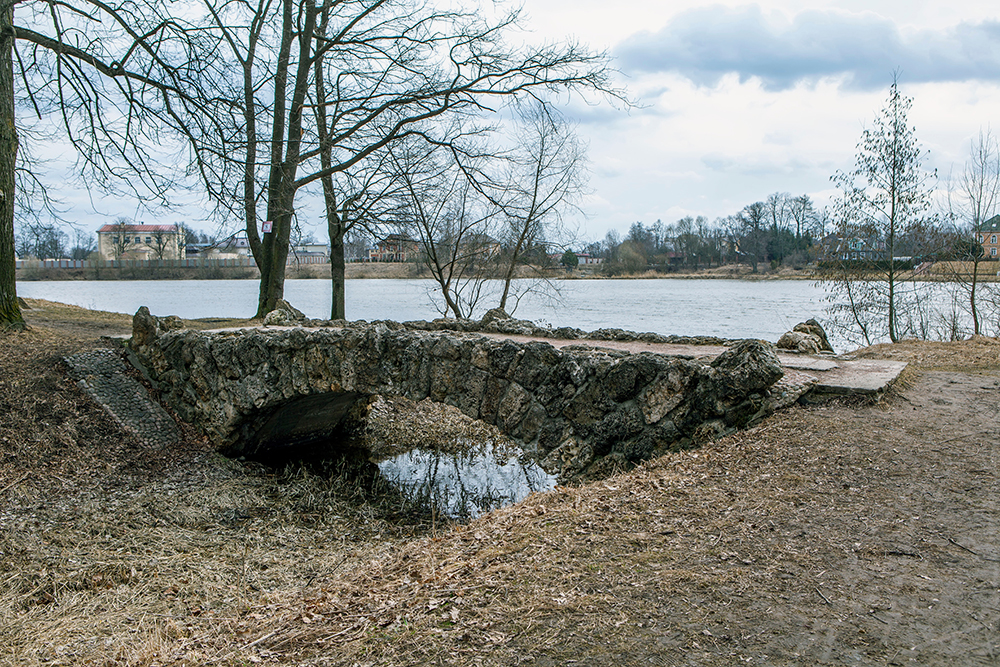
[
  {"x": 824, "y": 374},
  {"x": 104, "y": 375}
]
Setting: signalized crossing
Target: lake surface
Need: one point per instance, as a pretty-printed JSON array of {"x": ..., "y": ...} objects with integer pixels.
[{"x": 725, "y": 308}]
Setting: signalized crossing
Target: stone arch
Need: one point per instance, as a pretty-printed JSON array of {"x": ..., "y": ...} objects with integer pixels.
[{"x": 570, "y": 406}]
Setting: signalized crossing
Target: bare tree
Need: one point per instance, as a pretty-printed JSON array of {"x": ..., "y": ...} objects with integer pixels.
[
  {"x": 165, "y": 242},
  {"x": 41, "y": 241},
  {"x": 360, "y": 200},
  {"x": 372, "y": 72},
  {"x": 453, "y": 223},
  {"x": 84, "y": 245},
  {"x": 109, "y": 75},
  {"x": 778, "y": 207},
  {"x": 546, "y": 178},
  {"x": 479, "y": 213},
  {"x": 752, "y": 221},
  {"x": 883, "y": 205},
  {"x": 804, "y": 215},
  {"x": 10, "y": 309},
  {"x": 979, "y": 201},
  {"x": 121, "y": 236}
]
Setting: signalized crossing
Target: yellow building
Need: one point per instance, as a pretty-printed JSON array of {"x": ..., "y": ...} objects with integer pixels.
[{"x": 123, "y": 241}]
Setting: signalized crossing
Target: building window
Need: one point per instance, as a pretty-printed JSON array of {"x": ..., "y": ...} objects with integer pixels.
[
  {"x": 980, "y": 238},
  {"x": 993, "y": 251},
  {"x": 149, "y": 239},
  {"x": 993, "y": 239},
  {"x": 138, "y": 239}
]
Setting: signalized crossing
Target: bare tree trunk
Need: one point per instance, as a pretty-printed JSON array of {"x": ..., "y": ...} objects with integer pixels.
[
  {"x": 893, "y": 222},
  {"x": 338, "y": 279},
  {"x": 512, "y": 267},
  {"x": 972, "y": 295},
  {"x": 272, "y": 272},
  {"x": 281, "y": 185},
  {"x": 335, "y": 223},
  {"x": 10, "y": 310}
]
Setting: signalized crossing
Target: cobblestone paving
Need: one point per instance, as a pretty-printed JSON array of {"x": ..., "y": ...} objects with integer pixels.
[
  {"x": 103, "y": 375},
  {"x": 792, "y": 386}
]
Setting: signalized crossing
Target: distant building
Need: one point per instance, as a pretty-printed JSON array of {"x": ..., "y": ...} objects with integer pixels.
[
  {"x": 583, "y": 258},
  {"x": 394, "y": 248},
  {"x": 126, "y": 241},
  {"x": 853, "y": 248},
  {"x": 231, "y": 247},
  {"x": 989, "y": 236}
]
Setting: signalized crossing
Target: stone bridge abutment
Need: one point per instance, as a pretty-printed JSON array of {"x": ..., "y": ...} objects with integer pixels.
[{"x": 257, "y": 389}]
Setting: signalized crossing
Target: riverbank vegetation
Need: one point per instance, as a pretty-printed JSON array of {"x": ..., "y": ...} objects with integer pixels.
[{"x": 790, "y": 543}]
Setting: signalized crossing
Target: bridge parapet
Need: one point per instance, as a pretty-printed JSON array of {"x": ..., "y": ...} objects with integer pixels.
[{"x": 253, "y": 389}]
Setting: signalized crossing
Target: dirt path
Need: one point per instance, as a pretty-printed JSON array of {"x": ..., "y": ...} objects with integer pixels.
[
  {"x": 839, "y": 534},
  {"x": 828, "y": 535}
]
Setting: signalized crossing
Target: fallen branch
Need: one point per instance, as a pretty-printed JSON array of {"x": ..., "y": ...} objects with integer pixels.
[
  {"x": 14, "y": 483},
  {"x": 872, "y": 614},
  {"x": 900, "y": 552},
  {"x": 961, "y": 546}
]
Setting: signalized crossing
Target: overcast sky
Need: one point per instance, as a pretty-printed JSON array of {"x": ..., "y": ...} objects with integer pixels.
[{"x": 736, "y": 100}]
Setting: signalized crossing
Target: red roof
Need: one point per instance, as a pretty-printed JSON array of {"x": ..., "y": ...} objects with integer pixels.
[{"x": 138, "y": 229}]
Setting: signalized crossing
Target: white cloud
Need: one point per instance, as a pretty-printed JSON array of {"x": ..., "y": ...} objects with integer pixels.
[
  {"x": 707, "y": 43},
  {"x": 739, "y": 101}
]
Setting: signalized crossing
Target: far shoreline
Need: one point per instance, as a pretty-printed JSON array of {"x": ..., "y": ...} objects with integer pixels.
[
  {"x": 414, "y": 271},
  {"x": 395, "y": 271}
]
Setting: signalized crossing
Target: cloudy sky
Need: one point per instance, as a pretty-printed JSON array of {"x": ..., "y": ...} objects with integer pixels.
[{"x": 738, "y": 100}]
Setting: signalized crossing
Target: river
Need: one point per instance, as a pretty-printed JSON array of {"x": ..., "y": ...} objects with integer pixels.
[{"x": 725, "y": 308}]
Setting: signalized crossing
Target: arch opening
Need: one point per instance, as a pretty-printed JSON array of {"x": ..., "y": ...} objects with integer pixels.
[
  {"x": 304, "y": 428},
  {"x": 419, "y": 455}
]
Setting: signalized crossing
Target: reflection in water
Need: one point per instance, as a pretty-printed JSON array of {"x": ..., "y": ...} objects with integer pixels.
[{"x": 470, "y": 483}]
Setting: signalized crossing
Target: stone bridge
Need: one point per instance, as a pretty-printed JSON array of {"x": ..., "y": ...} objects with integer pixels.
[{"x": 257, "y": 389}]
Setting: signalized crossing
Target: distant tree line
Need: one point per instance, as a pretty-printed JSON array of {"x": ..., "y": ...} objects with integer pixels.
[
  {"x": 47, "y": 240},
  {"x": 780, "y": 230}
]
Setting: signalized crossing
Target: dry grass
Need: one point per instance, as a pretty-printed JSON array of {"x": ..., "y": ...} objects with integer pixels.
[
  {"x": 113, "y": 554},
  {"x": 974, "y": 355},
  {"x": 135, "y": 575},
  {"x": 84, "y": 325},
  {"x": 774, "y": 546},
  {"x": 834, "y": 534}
]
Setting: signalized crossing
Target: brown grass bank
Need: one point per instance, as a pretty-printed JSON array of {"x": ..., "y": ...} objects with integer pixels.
[{"x": 831, "y": 534}]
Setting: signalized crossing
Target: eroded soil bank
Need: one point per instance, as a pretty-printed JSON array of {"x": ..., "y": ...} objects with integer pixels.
[{"x": 832, "y": 534}]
